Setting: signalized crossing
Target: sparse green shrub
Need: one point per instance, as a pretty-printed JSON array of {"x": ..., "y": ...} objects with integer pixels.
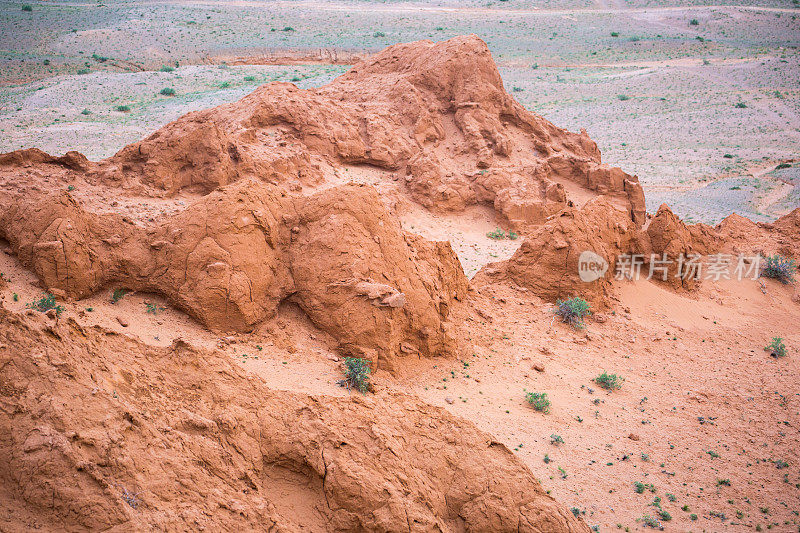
[
  {"x": 295, "y": 79},
  {"x": 249, "y": 78},
  {"x": 166, "y": 68},
  {"x": 740, "y": 105},
  {"x": 287, "y": 28},
  {"x": 609, "y": 381},
  {"x": 379, "y": 34},
  {"x": 45, "y": 303},
  {"x": 118, "y": 294},
  {"x": 783, "y": 165},
  {"x": 725, "y": 482},
  {"x": 623, "y": 97},
  {"x": 780, "y": 268},
  {"x": 694, "y": 22},
  {"x": 86, "y": 112},
  {"x": 512, "y": 236},
  {"x": 615, "y": 34},
  {"x": 640, "y": 487},
  {"x": 84, "y": 71},
  {"x": 27, "y": 7},
  {"x": 650, "y": 521},
  {"x": 167, "y": 91},
  {"x": 776, "y": 348},
  {"x": 539, "y": 401},
  {"x": 556, "y": 439},
  {"x": 497, "y": 234},
  {"x": 573, "y": 311},
  {"x": 356, "y": 374},
  {"x": 224, "y": 85},
  {"x": 665, "y": 516},
  {"x": 122, "y": 108},
  {"x": 692, "y": 517}
]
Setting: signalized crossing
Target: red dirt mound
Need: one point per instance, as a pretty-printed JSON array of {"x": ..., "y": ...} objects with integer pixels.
[
  {"x": 230, "y": 259},
  {"x": 154, "y": 217},
  {"x": 437, "y": 112},
  {"x": 98, "y": 431}
]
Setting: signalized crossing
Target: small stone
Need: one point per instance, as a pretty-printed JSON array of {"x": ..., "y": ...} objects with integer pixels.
[
  {"x": 538, "y": 367},
  {"x": 449, "y": 400},
  {"x": 633, "y": 436},
  {"x": 122, "y": 322}
]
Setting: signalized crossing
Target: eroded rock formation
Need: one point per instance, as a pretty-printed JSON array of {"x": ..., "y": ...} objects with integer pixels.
[{"x": 101, "y": 432}]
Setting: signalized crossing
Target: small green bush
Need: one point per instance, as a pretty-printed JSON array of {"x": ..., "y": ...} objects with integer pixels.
[
  {"x": 609, "y": 381},
  {"x": 776, "y": 348},
  {"x": 623, "y": 97},
  {"x": 573, "y": 311},
  {"x": 249, "y": 78},
  {"x": 615, "y": 34},
  {"x": 287, "y": 28},
  {"x": 379, "y": 34},
  {"x": 497, "y": 234},
  {"x": 356, "y": 374},
  {"x": 86, "y": 112},
  {"x": 780, "y": 268},
  {"x": 650, "y": 521},
  {"x": 167, "y": 91},
  {"x": 166, "y": 68},
  {"x": 556, "y": 439},
  {"x": 122, "y": 108},
  {"x": 84, "y": 71},
  {"x": 539, "y": 401},
  {"x": 46, "y": 303},
  {"x": 27, "y": 7},
  {"x": 694, "y": 22},
  {"x": 740, "y": 105},
  {"x": 118, "y": 294}
]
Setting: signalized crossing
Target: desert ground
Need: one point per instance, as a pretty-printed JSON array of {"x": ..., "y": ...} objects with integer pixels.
[{"x": 698, "y": 101}]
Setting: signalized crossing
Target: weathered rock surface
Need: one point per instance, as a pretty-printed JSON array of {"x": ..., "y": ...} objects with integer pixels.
[
  {"x": 436, "y": 112},
  {"x": 230, "y": 259},
  {"x": 101, "y": 432}
]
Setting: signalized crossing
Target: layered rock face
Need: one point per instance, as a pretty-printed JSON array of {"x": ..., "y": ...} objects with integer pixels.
[
  {"x": 232, "y": 257},
  {"x": 230, "y": 211},
  {"x": 101, "y": 432},
  {"x": 435, "y": 112}
]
